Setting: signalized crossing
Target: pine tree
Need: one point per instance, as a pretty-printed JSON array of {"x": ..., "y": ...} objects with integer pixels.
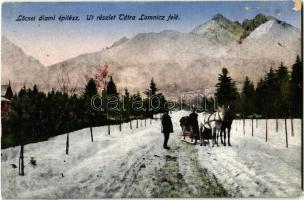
[
  {"x": 247, "y": 97},
  {"x": 226, "y": 91},
  {"x": 296, "y": 83},
  {"x": 127, "y": 94},
  {"x": 260, "y": 97},
  {"x": 282, "y": 73},
  {"x": 270, "y": 79},
  {"x": 111, "y": 87},
  {"x": 90, "y": 89},
  {"x": 127, "y": 100},
  {"x": 136, "y": 110},
  {"x": 271, "y": 93},
  {"x": 89, "y": 92},
  {"x": 282, "y": 103},
  {"x": 153, "y": 99},
  {"x": 127, "y": 104},
  {"x": 152, "y": 89}
]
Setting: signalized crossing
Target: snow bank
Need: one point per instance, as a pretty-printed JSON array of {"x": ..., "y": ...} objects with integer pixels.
[
  {"x": 78, "y": 174},
  {"x": 254, "y": 168}
]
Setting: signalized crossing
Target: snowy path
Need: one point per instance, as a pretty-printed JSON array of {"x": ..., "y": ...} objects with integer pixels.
[{"x": 132, "y": 163}]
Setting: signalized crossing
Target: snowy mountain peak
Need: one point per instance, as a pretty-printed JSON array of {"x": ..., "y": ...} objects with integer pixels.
[
  {"x": 273, "y": 29},
  {"x": 250, "y": 25},
  {"x": 219, "y": 29},
  {"x": 266, "y": 27},
  {"x": 218, "y": 21}
]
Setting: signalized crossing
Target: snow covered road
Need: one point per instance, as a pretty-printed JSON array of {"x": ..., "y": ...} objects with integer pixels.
[{"x": 132, "y": 163}]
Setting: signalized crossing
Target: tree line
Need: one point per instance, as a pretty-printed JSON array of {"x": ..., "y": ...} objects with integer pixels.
[
  {"x": 36, "y": 116},
  {"x": 279, "y": 94}
]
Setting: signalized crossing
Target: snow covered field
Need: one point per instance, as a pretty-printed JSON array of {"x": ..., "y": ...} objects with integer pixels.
[
  {"x": 254, "y": 168},
  {"x": 132, "y": 163}
]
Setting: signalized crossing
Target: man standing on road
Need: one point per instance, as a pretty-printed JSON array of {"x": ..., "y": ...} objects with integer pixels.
[
  {"x": 167, "y": 128},
  {"x": 194, "y": 124}
]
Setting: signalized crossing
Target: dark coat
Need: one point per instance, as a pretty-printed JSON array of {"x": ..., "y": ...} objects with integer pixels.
[
  {"x": 167, "y": 126},
  {"x": 194, "y": 123}
]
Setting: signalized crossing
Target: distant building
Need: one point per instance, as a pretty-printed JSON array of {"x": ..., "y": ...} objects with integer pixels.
[{"x": 6, "y": 97}]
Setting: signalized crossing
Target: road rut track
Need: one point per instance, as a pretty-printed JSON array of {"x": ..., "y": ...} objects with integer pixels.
[{"x": 162, "y": 174}]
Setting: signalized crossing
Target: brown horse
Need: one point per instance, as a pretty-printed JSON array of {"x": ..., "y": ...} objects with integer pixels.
[{"x": 229, "y": 115}]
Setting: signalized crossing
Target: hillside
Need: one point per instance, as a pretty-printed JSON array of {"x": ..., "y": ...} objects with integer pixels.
[
  {"x": 17, "y": 66},
  {"x": 185, "y": 62}
]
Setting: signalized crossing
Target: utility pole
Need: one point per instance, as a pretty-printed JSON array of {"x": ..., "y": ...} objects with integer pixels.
[
  {"x": 205, "y": 97},
  {"x": 214, "y": 102}
]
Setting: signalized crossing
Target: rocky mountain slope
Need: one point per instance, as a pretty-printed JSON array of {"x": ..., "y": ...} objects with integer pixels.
[
  {"x": 185, "y": 62},
  {"x": 17, "y": 66},
  {"x": 220, "y": 29},
  {"x": 250, "y": 25}
]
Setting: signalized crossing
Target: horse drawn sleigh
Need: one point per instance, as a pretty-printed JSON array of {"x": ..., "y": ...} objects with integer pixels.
[{"x": 209, "y": 130}]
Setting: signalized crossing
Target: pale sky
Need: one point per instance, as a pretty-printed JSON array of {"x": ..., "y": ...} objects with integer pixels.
[{"x": 54, "y": 41}]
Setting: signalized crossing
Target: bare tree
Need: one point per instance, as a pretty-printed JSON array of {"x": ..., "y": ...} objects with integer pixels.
[{"x": 65, "y": 83}]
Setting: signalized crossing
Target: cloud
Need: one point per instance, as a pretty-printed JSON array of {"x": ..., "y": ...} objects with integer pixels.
[
  {"x": 278, "y": 11},
  {"x": 249, "y": 8}
]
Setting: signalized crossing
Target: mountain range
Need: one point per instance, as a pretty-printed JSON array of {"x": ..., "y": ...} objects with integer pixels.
[{"x": 178, "y": 62}]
